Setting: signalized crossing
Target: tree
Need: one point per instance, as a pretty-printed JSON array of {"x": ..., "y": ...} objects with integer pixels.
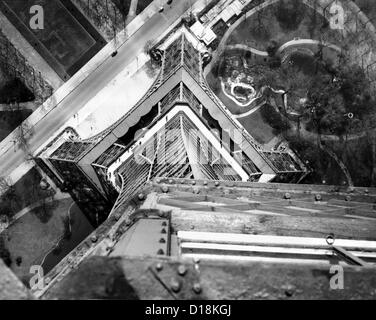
[
  {"x": 262, "y": 32},
  {"x": 274, "y": 119},
  {"x": 323, "y": 105},
  {"x": 189, "y": 18},
  {"x": 289, "y": 13},
  {"x": 355, "y": 89},
  {"x": 331, "y": 98},
  {"x": 23, "y": 133},
  {"x": 148, "y": 47},
  {"x": 5, "y": 184},
  {"x": 294, "y": 80},
  {"x": 123, "y": 6},
  {"x": 153, "y": 65},
  {"x": 4, "y": 252},
  {"x": 114, "y": 30},
  {"x": 272, "y": 48},
  {"x": 18, "y": 260}
]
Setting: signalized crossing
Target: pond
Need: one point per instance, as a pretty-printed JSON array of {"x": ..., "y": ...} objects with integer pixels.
[{"x": 80, "y": 228}]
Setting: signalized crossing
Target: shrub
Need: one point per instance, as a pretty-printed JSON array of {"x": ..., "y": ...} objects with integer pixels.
[{"x": 274, "y": 119}]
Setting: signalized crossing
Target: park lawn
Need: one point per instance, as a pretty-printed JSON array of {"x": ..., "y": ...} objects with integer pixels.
[
  {"x": 32, "y": 239},
  {"x": 257, "y": 127},
  {"x": 259, "y": 29}
]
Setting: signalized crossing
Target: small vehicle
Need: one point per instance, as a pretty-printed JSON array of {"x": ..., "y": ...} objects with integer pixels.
[
  {"x": 113, "y": 54},
  {"x": 169, "y": 2},
  {"x": 161, "y": 9}
]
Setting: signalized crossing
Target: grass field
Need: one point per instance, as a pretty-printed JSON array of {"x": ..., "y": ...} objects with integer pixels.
[
  {"x": 257, "y": 127},
  {"x": 34, "y": 240}
]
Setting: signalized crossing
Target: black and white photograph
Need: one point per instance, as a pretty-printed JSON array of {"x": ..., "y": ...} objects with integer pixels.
[{"x": 189, "y": 154}]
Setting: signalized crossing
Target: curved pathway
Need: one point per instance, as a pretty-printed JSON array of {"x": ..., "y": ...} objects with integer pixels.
[
  {"x": 298, "y": 42},
  {"x": 248, "y": 113},
  {"x": 233, "y": 95},
  {"x": 247, "y": 48}
]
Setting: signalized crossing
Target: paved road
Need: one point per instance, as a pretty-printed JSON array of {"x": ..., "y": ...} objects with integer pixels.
[{"x": 46, "y": 127}]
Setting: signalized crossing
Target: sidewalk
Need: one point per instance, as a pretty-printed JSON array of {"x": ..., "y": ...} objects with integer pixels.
[{"x": 113, "y": 101}]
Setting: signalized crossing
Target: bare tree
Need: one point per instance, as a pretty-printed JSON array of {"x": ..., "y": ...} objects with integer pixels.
[
  {"x": 5, "y": 184},
  {"x": 148, "y": 46},
  {"x": 23, "y": 134}
]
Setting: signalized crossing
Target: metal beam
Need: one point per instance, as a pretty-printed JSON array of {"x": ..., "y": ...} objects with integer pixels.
[{"x": 349, "y": 256}]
